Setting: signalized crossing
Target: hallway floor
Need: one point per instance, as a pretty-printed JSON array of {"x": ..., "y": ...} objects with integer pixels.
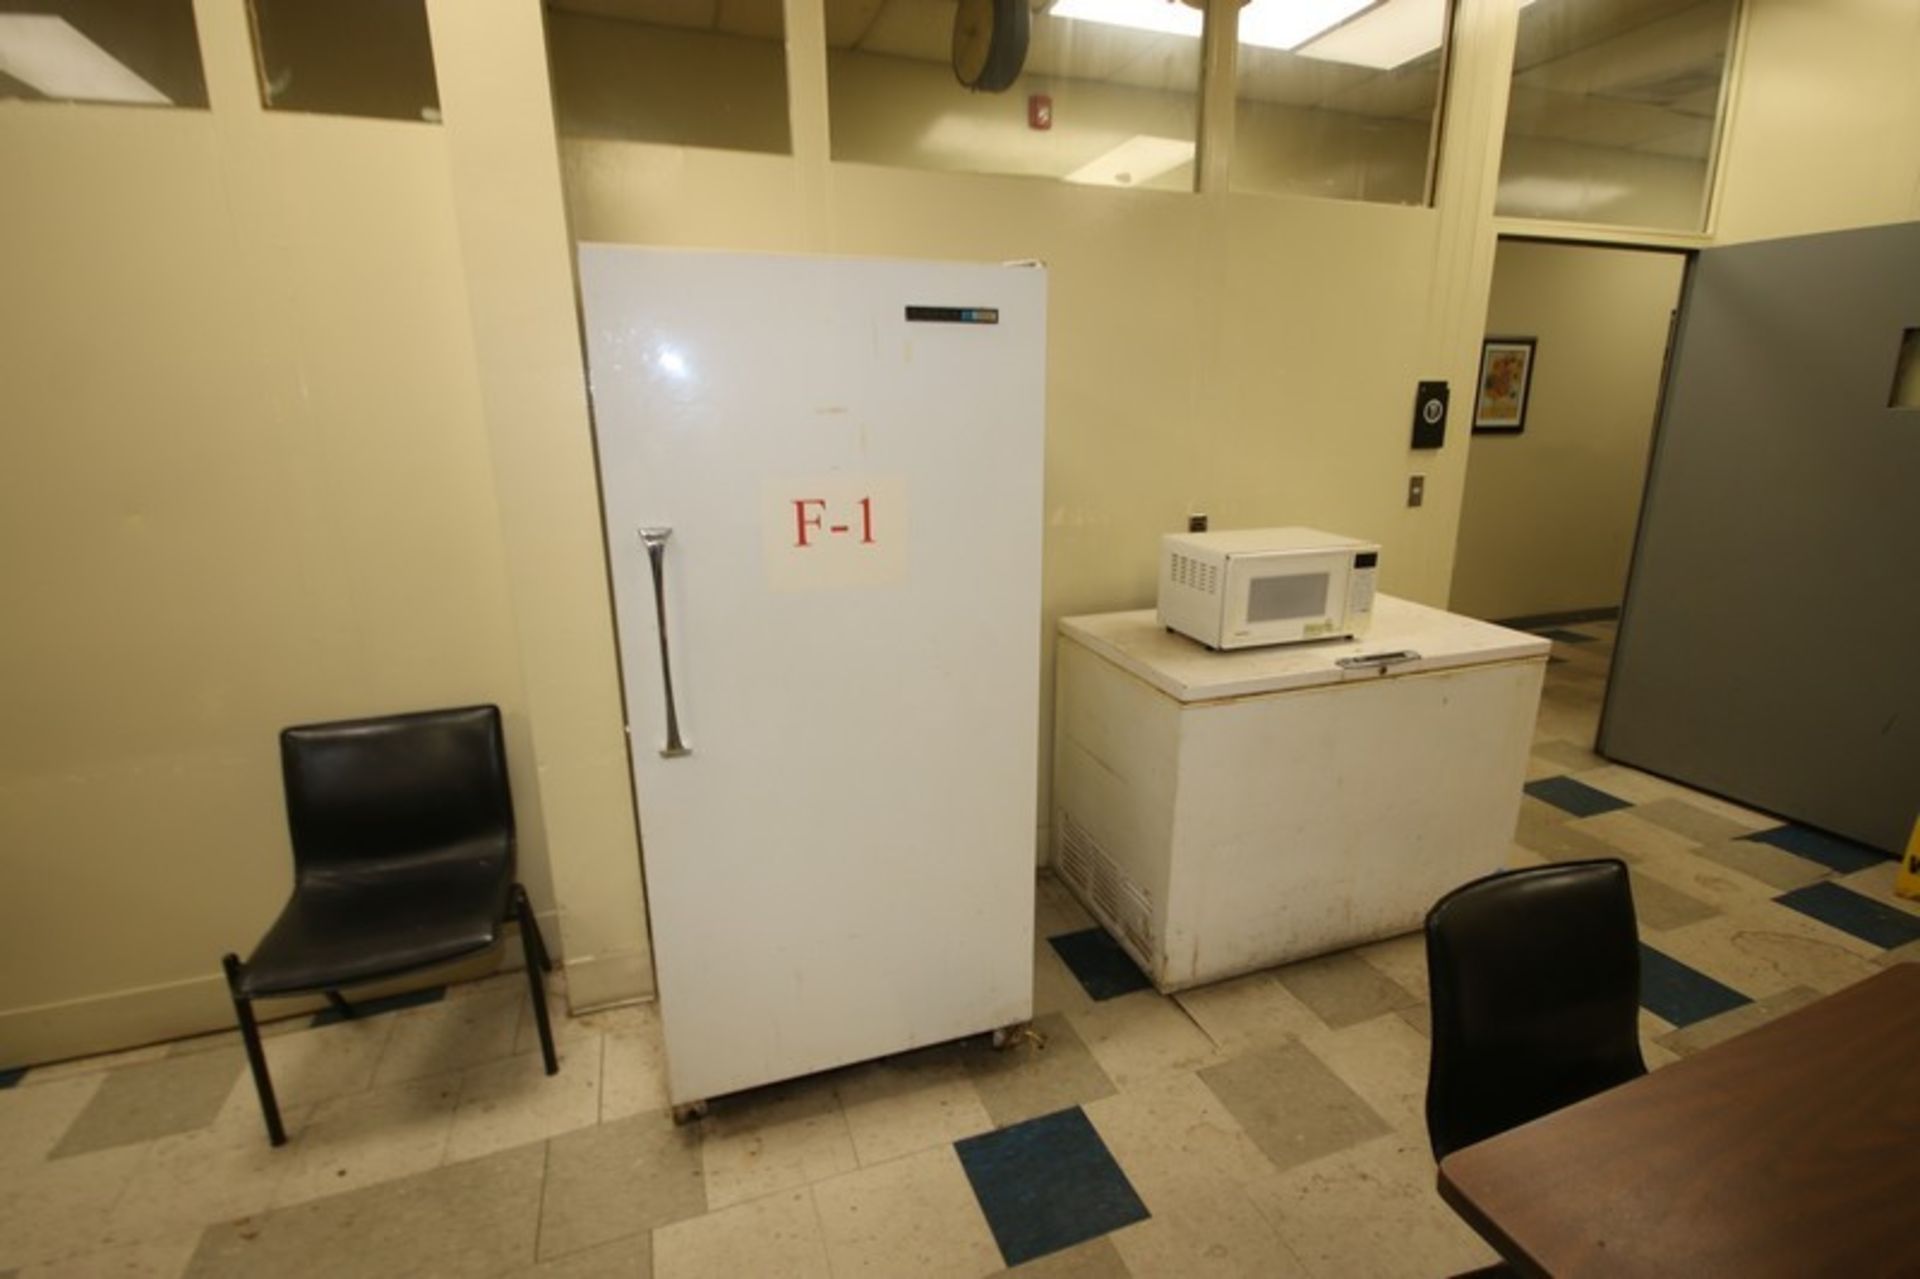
[{"x": 1269, "y": 1125}]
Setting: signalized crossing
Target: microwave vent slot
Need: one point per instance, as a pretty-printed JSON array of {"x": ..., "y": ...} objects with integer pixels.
[
  {"x": 1196, "y": 575},
  {"x": 1120, "y": 903}
]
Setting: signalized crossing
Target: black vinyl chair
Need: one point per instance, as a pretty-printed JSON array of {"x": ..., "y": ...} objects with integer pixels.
[
  {"x": 1534, "y": 978},
  {"x": 403, "y": 859}
]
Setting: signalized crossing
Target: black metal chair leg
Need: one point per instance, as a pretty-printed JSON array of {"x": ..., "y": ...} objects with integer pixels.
[
  {"x": 340, "y": 1004},
  {"x": 256, "y": 1057},
  {"x": 535, "y": 948}
]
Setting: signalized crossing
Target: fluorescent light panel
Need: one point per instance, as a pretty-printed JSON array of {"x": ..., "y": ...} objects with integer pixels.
[
  {"x": 50, "y": 54},
  {"x": 1271, "y": 24},
  {"x": 1388, "y": 36},
  {"x": 1135, "y": 162}
]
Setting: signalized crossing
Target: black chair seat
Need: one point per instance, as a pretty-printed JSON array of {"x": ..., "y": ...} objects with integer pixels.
[
  {"x": 403, "y": 859},
  {"x": 384, "y": 918}
]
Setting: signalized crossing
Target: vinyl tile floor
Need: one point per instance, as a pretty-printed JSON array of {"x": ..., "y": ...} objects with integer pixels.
[{"x": 1270, "y": 1125}]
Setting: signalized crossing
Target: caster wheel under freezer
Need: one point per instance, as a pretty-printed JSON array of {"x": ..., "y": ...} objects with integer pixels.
[{"x": 691, "y": 1112}]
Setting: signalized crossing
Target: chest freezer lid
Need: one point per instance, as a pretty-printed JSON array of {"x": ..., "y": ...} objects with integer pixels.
[{"x": 1191, "y": 672}]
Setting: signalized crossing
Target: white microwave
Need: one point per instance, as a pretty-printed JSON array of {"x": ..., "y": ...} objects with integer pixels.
[{"x": 1246, "y": 587}]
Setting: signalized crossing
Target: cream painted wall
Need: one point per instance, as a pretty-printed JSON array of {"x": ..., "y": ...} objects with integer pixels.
[
  {"x": 1548, "y": 520},
  {"x": 1249, "y": 356},
  {"x": 245, "y": 483},
  {"x": 1825, "y": 115}
]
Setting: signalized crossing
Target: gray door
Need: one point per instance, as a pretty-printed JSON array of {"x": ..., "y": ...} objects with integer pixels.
[{"x": 1769, "y": 650}]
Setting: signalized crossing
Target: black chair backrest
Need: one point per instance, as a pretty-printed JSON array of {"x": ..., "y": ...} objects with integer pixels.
[
  {"x": 1535, "y": 983},
  {"x": 395, "y": 786}
]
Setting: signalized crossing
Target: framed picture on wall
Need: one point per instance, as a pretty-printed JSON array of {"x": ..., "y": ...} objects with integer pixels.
[{"x": 1506, "y": 375}]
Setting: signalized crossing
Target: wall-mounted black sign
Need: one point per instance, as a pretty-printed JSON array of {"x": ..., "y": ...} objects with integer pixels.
[{"x": 1430, "y": 415}]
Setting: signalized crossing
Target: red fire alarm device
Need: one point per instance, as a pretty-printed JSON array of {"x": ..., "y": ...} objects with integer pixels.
[{"x": 1039, "y": 111}]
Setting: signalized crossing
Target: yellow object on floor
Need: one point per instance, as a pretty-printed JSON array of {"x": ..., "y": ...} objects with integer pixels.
[{"x": 1906, "y": 881}]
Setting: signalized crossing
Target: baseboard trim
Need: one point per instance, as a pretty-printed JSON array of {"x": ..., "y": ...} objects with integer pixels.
[
  {"x": 1573, "y": 617},
  {"x": 606, "y": 981},
  {"x": 145, "y": 1015}
]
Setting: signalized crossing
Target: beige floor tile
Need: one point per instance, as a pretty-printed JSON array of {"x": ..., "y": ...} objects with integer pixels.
[
  {"x": 1221, "y": 1236},
  {"x": 1683, "y": 816},
  {"x": 163, "y": 1258},
  {"x": 73, "y": 1068},
  {"x": 61, "y": 1209},
  {"x": 1539, "y": 768},
  {"x": 628, "y": 1258},
  {"x": 318, "y": 1064},
  {"x": 1703, "y": 878},
  {"x": 1631, "y": 837},
  {"x": 915, "y": 1215},
  {"x": 1544, "y": 829},
  {"x": 1770, "y": 869},
  {"x": 1688, "y": 1040},
  {"x": 1419, "y": 1017},
  {"x": 776, "y": 1237},
  {"x": 1094, "y": 1259},
  {"x": 1750, "y": 818},
  {"x": 1142, "y": 1036},
  {"x": 910, "y": 1102},
  {"x": 1175, "y": 1134},
  {"x": 151, "y": 1100},
  {"x": 513, "y": 1101},
  {"x": 449, "y": 1036},
  {"x": 1189, "y": 1159},
  {"x": 1057, "y": 910},
  {"x": 1907, "y": 954},
  {"x": 1343, "y": 988},
  {"x": 1572, "y": 756},
  {"x": 1055, "y": 988},
  {"x": 383, "y": 1134},
  {"x": 773, "y": 1139},
  {"x": 1291, "y": 1104},
  {"x": 633, "y": 1073},
  {"x": 1766, "y": 954},
  {"x": 621, "y": 1019},
  {"x": 1659, "y": 906},
  {"x": 34, "y": 1118},
  {"x": 1877, "y": 882},
  {"x": 1245, "y": 1011},
  {"x": 1385, "y": 1061},
  {"x": 473, "y": 1218},
  {"x": 187, "y": 1182},
  {"x": 1402, "y": 958},
  {"x": 1629, "y": 784},
  {"x": 1657, "y": 1055},
  {"x": 1027, "y": 1078},
  {"x": 1370, "y": 1210},
  {"x": 619, "y": 1180}
]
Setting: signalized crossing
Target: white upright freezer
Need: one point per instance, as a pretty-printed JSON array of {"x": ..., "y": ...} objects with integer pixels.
[
  {"x": 822, "y": 488},
  {"x": 1224, "y": 812}
]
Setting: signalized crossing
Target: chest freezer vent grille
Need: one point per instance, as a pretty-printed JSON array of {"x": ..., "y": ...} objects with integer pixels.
[
  {"x": 1195, "y": 574},
  {"x": 1122, "y": 904}
]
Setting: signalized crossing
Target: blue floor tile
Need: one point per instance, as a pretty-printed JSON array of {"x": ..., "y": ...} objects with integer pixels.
[
  {"x": 363, "y": 1008},
  {"x": 1574, "y": 797},
  {"x": 12, "y": 1075},
  {"x": 1099, "y": 963},
  {"x": 1048, "y": 1184},
  {"x": 1564, "y": 636},
  {"x": 1682, "y": 995},
  {"x": 1851, "y": 912},
  {"x": 1831, "y": 851}
]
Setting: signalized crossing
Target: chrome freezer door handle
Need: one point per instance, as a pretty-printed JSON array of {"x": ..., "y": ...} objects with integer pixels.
[{"x": 655, "y": 540}]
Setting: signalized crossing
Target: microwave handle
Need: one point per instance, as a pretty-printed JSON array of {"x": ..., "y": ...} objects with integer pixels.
[{"x": 655, "y": 540}]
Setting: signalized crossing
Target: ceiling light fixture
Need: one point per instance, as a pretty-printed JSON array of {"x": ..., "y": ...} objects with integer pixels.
[
  {"x": 52, "y": 56},
  {"x": 1271, "y": 24},
  {"x": 1387, "y": 36}
]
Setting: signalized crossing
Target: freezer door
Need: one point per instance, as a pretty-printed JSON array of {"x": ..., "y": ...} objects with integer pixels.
[{"x": 836, "y": 799}]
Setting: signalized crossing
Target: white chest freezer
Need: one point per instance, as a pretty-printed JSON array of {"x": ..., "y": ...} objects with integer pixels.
[{"x": 1224, "y": 812}]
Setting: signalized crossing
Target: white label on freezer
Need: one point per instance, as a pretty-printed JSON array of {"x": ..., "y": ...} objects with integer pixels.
[{"x": 833, "y": 532}]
